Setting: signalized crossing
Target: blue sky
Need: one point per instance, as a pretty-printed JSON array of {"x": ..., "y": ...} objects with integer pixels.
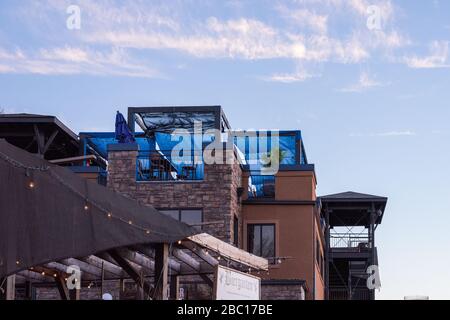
[{"x": 372, "y": 102}]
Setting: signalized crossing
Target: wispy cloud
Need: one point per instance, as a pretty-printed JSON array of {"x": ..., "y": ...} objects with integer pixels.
[
  {"x": 395, "y": 133},
  {"x": 288, "y": 77},
  {"x": 304, "y": 32},
  {"x": 364, "y": 83},
  {"x": 437, "y": 58},
  {"x": 72, "y": 61}
]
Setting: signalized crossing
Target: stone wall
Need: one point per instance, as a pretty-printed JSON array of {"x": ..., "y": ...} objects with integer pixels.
[
  {"x": 282, "y": 292},
  {"x": 216, "y": 194}
]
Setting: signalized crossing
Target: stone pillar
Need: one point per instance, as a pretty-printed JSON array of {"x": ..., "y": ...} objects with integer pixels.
[{"x": 122, "y": 158}]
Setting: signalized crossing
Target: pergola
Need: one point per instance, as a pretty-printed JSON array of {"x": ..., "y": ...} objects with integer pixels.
[{"x": 53, "y": 222}]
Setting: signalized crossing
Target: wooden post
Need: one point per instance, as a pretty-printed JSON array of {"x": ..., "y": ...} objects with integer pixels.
[
  {"x": 11, "y": 288},
  {"x": 28, "y": 290},
  {"x": 134, "y": 274},
  {"x": 174, "y": 287},
  {"x": 62, "y": 288},
  {"x": 75, "y": 294},
  {"x": 121, "y": 289},
  {"x": 102, "y": 290},
  {"x": 161, "y": 271}
]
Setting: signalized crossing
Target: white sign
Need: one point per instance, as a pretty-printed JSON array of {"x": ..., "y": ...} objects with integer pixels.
[{"x": 234, "y": 285}]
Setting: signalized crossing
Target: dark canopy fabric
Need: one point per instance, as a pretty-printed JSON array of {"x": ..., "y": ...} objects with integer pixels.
[{"x": 47, "y": 213}]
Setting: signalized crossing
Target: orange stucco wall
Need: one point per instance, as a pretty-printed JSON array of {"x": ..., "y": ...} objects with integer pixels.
[{"x": 297, "y": 229}]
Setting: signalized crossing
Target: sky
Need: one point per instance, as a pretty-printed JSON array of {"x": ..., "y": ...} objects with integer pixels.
[{"x": 367, "y": 82}]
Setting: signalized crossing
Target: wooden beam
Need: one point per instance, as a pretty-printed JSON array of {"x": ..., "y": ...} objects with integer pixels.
[
  {"x": 187, "y": 259},
  {"x": 28, "y": 290},
  {"x": 35, "y": 276},
  {"x": 39, "y": 139},
  {"x": 208, "y": 280},
  {"x": 62, "y": 288},
  {"x": 132, "y": 272},
  {"x": 137, "y": 258},
  {"x": 74, "y": 159},
  {"x": 199, "y": 252},
  {"x": 84, "y": 267},
  {"x": 174, "y": 265},
  {"x": 174, "y": 287},
  {"x": 109, "y": 267},
  {"x": 161, "y": 271},
  {"x": 75, "y": 294},
  {"x": 50, "y": 141},
  {"x": 229, "y": 251},
  {"x": 10, "y": 288},
  {"x": 50, "y": 272}
]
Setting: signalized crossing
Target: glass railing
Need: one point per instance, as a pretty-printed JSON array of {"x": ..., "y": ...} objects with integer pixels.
[{"x": 159, "y": 166}]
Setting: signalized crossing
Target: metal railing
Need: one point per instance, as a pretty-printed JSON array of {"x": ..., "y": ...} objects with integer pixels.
[
  {"x": 342, "y": 293},
  {"x": 157, "y": 166},
  {"x": 346, "y": 240}
]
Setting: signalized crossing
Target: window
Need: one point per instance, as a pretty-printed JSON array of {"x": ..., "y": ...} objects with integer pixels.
[
  {"x": 261, "y": 240},
  {"x": 190, "y": 217}
]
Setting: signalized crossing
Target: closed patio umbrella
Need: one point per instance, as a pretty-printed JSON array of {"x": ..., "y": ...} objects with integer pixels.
[{"x": 123, "y": 133}]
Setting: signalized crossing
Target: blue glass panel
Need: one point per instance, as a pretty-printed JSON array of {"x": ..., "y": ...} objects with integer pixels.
[
  {"x": 261, "y": 186},
  {"x": 257, "y": 148}
]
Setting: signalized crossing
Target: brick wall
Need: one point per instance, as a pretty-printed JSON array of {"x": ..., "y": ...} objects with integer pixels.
[{"x": 216, "y": 194}]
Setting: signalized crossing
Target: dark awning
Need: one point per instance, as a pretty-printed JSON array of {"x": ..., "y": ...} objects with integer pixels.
[
  {"x": 48, "y": 213},
  {"x": 353, "y": 208}
]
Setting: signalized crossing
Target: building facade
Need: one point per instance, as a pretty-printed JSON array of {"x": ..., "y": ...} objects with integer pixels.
[
  {"x": 255, "y": 190},
  {"x": 272, "y": 215}
]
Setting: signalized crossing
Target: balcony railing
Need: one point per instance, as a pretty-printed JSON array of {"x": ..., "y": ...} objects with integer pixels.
[
  {"x": 342, "y": 293},
  {"x": 345, "y": 240},
  {"x": 158, "y": 166}
]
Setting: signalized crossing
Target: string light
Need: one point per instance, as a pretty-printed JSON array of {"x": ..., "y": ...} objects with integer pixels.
[
  {"x": 17, "y": 262},
  {"x": 55, "y": 275},
  {"x": 219, "y": 257},
  {"x": 43, "y": 273},
  {"x": 179, "y": 241},
  {"x": 88, "y": 203}
]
